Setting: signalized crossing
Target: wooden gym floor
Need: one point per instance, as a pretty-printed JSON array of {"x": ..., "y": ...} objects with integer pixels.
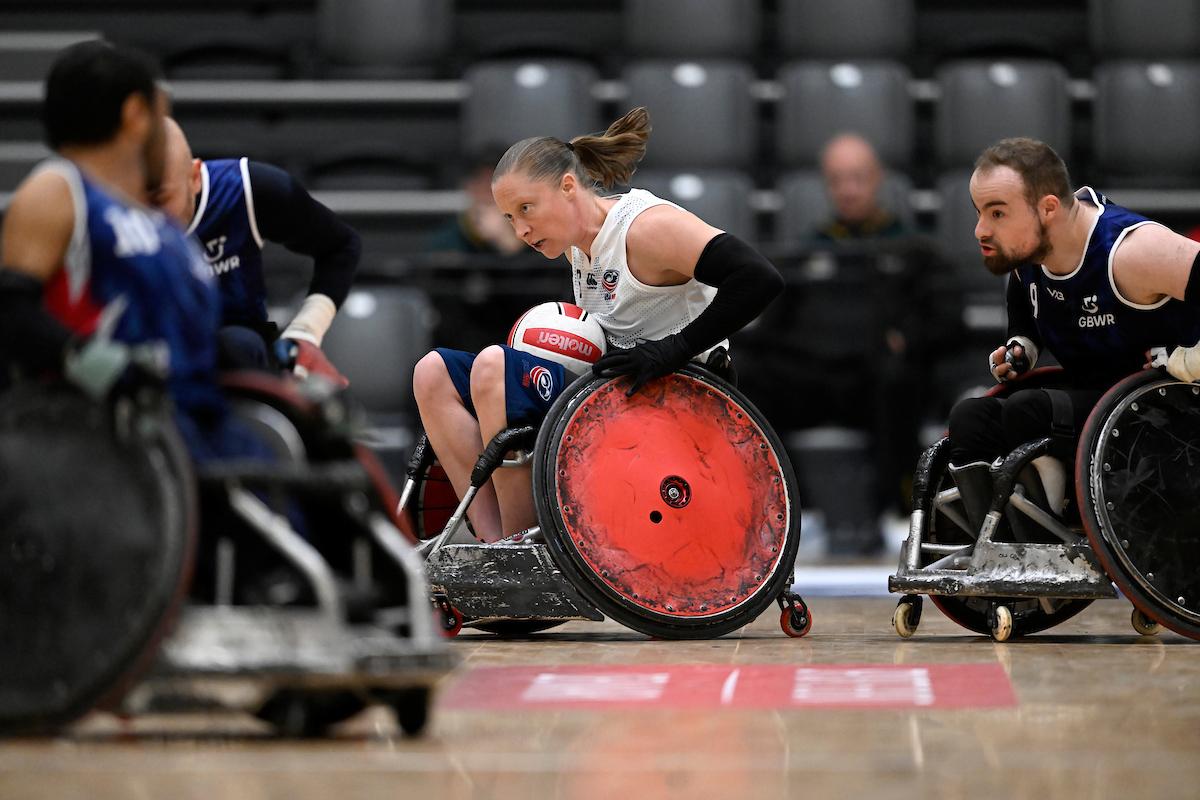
[{"x": 1087, "y": 710}]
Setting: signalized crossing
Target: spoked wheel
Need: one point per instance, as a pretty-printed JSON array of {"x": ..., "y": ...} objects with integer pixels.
[
  {"x": 674, "y": 511},
  {"x": 1137, "y": 481},
  {"x": 1025, "y": 615},
  {"x": 432, "y": 501}
]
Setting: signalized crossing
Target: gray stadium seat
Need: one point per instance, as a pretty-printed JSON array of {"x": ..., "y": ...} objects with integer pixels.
[
  {"x": 846, "y": 28},
  {"x": 702, "y": 112},
  {"x": 985, "y": 101},
  {"x": 17, "y": 159},
  {"x": 823, "y": 98},
  {"x": 27, "y": 55},
  {"x": 228, "y": 59},
  {"x": 1146, "y": 120},
  {"x": 383, "y": 37},
  {"x": 805, "y": 204},
  {"x": 1160, "y": 29},
  {"x": 514, "y": 99},
  {"x": 692, "y": 28},
  {"x": 719, "y": 197},
  {"x": 377, "y": 337}
]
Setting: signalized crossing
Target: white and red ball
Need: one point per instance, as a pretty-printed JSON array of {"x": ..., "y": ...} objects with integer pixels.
[{"x": 561, "y": 332}]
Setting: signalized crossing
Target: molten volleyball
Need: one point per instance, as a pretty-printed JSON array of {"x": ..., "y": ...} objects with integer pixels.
[{"x": 561, "y": 332}]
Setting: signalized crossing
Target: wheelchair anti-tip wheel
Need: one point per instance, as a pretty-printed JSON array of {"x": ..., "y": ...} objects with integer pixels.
[
  {"x": 1138, "y": 483},
  {"x": 675, "y": 511}
]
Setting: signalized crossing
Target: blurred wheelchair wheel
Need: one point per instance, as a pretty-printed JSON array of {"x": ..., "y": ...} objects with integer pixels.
[{"x": 96, "y": 547}]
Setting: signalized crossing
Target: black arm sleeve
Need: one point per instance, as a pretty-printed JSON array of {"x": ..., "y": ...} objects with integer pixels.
[
  {"x": 287, "y": 214},
  {"x": 29, "y": 335},
  {"x": 1020, "y": 312},
  {"x": 746, "y": 283}
]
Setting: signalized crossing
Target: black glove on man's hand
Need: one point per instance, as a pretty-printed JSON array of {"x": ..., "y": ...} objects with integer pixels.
[{"x": 645, "y": 362}]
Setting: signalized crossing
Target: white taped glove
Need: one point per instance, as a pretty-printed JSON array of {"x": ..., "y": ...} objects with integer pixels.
[{"x": 1184, "y": 363}]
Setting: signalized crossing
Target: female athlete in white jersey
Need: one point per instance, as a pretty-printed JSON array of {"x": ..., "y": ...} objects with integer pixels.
[{"x": 666, "y": 286}]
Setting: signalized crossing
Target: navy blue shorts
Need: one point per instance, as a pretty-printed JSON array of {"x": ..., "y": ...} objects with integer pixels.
[{"x": 530, "y": 383}]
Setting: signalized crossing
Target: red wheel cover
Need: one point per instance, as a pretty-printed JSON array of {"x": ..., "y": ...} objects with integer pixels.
[{"x": 674, "y": 497}]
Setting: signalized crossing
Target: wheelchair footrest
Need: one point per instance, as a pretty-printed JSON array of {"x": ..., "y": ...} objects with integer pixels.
[
  {"x": 273, "y": 648},
  {"x": 506, "y": 582},
  {"x": 1006, "y": 569}
]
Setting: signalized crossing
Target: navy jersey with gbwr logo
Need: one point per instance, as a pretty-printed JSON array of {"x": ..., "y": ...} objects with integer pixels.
[
  {"x": 1095, "y": 333},
  {"x": 226, "y": 226}
]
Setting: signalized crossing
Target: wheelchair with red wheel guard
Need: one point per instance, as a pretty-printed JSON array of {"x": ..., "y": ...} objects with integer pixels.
[{"x": 673, "y": 512}]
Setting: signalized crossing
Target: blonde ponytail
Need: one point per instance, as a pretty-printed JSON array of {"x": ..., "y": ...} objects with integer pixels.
[{"x": 605, "y": 159}]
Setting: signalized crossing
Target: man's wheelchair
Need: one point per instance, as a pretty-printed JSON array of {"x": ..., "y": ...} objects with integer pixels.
[
  {"x": 301, "y": 603},
  {"x": 674, "y": 512},
  {"x": 1007, "y": 567}
]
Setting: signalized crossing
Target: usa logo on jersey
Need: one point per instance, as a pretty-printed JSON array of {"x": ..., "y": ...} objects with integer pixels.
[
  {"x": 543, "y": 381},
  {"x": 608, "y": 281}
]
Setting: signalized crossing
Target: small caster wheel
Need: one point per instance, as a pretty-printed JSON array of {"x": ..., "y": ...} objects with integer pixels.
[
  {"x": 1000, "y": 620},
  {"x": 411, "y": 707},
  {"x": 797, "y": 621},
  {"x": 452, "y": 622},
  {"x": 907, "y": 615},
  {"x": 299, "y": 715},
  {"x": 1143, "y": 624}
]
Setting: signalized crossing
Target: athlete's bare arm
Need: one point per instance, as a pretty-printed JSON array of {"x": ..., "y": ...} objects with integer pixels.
[
  {"x": 1152, "y": 263},
  {"x": 664, "y": 243},
  {"x": 38, "y": 226}
]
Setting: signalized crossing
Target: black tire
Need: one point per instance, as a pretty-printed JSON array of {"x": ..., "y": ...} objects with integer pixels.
[
  {"x": 1174, "y": 528},
  {"x": 297, "y": 714},
  {"x": 517, "y": 627},
  {"x": 115, "y": 562},
  {"x": 596, "y": 590},
  {"x": 411, "y": 707}
]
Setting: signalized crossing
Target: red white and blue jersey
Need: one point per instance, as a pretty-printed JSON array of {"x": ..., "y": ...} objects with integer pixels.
[
  {"x": 227, "y": 228},
  {"x": 1097, "y": 335},
  {"x": 133, "y": 263}
]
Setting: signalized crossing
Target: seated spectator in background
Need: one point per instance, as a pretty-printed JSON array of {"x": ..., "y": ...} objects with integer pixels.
[
  {"x": 234, "y": 206},
  {"x": 480, "y": 228},
  {"x": 853, "y": 177}
]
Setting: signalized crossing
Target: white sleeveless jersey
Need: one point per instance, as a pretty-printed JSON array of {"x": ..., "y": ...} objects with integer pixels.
[{"x": 627, "y": 309}]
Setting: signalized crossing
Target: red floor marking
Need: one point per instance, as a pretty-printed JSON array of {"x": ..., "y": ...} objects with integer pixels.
[{"x": 768, "y": 686}]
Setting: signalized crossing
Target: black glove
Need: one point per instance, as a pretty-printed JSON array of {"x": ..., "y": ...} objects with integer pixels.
[{"x": 645, "y": 362}]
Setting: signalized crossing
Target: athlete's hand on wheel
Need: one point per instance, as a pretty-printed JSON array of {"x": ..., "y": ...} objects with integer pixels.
[
  {"x": 645, "y": 362},
  {"x": 305, "y": 359}
]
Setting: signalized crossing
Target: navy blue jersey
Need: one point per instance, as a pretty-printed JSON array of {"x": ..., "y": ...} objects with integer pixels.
[
  {"x": 1096, "y": 334},
  {"x": 227, "y": 228},
  {"x": 130, "y": 267}
]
